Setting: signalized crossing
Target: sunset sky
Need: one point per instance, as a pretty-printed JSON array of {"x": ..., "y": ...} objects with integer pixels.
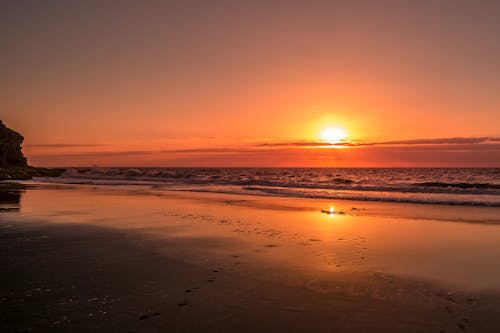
[{"x": 252, "y": 83}]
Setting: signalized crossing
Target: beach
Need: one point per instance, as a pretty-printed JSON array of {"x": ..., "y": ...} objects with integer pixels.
[
  {"x": 127, "y": 258},
  {"x": 250, "y": 166}
]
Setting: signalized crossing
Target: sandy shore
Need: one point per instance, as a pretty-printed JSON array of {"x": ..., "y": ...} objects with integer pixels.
[{"x": 81, "y": 259}]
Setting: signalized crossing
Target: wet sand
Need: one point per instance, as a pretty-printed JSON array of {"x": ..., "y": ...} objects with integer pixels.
[{"x": 79, "y": 258}]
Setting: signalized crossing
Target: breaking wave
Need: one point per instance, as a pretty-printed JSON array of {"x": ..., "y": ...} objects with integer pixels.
[{"x": 467, "y": 186}]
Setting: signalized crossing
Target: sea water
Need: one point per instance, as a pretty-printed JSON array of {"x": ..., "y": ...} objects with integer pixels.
[{"x": 455, "y": 186}]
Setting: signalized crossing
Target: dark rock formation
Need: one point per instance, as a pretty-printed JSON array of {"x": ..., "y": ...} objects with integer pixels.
[
  {"x": 13, "y": 164},
  {"x": 10, "y": 148}
]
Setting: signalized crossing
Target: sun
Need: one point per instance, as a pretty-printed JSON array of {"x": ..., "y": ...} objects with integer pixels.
[{"x": 333, "y": 135}]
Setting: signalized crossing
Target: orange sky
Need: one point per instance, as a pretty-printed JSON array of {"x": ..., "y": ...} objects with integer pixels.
[{"x": 239, "y": 83}]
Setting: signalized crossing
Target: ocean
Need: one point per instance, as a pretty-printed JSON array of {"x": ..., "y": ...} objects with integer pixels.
[{"x": 451, "y": 186}]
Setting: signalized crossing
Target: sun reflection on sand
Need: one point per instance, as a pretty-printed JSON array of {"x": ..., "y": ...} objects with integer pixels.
[{"x": 330, "y": 211}]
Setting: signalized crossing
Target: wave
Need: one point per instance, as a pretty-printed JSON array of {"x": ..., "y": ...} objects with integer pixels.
[
  {"x": 417, "y": 198},
  {"x": 460, "y": 185},
  {"x": 289, "y": 178},
  {"x": 473, "y": 187}
]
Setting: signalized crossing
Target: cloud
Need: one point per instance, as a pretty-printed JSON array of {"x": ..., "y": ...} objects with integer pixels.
[
  {"x": 438, "y": 141},
  {"x": 209, "y": 150},
  {"x": 291, "y": 144},
  {"x": 65, "y": 145},
  {"x": 474, "y": 151},
  {"x": 458, "y": 140},
  {"x": 99, "y": 153},
  {"x": 305, "y": 144}
]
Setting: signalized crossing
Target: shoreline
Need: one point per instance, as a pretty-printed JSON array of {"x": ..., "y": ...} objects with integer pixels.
[
  {"x": 393, "y": 195},
  {"x": 435, "y": 211}
]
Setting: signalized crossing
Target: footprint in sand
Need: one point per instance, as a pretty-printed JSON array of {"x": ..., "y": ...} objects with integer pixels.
[
  {"x": 190, "y": 290},
  {"x": 462, "y": 323},
  {"x": 148, "y": 315}
]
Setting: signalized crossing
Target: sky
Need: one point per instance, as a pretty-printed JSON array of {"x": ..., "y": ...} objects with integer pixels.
[{"x": 252, "y": 83}]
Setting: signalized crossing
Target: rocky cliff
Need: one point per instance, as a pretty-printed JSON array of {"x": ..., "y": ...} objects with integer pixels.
[
  {"x": 11, "y": 154},
  {"x": 13, "y": 164}
]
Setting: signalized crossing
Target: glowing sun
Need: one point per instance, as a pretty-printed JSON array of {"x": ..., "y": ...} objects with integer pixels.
[{"x": 333, "y": 135}]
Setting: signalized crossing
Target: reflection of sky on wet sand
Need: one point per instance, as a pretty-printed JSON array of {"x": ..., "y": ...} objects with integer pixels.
[{"x": 287, "y": 239}]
